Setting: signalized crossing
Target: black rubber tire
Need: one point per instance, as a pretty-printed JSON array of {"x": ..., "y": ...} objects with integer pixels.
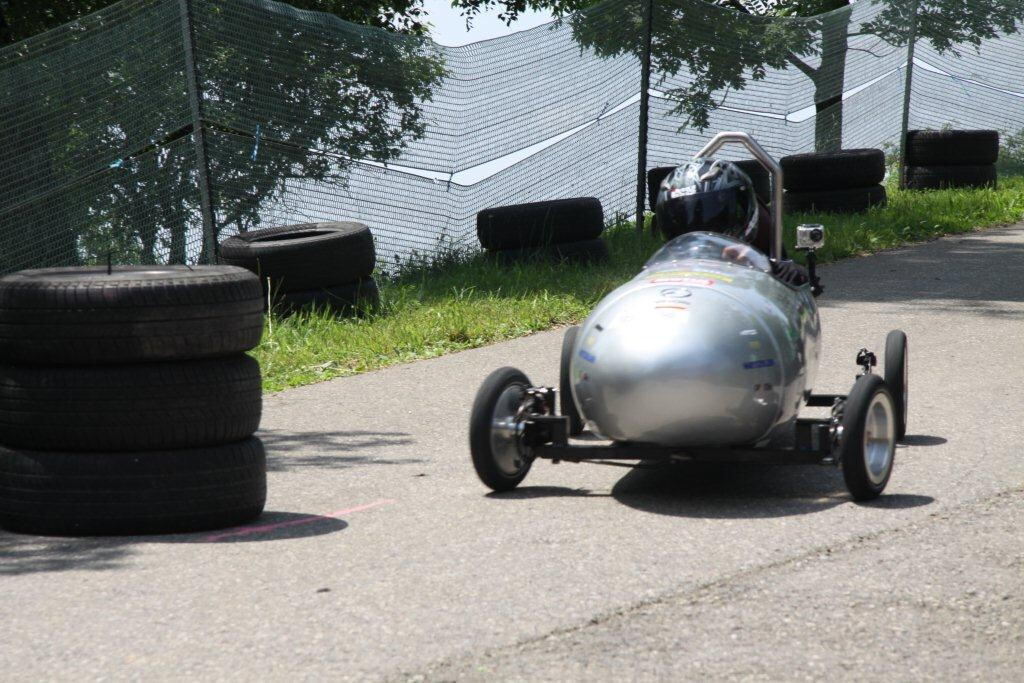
[
  {"x": 760, "y": 177},
  {"x": 654, "y": 178},
  {"x": 87, "y": 316},
  {"x": 353, "y": 298},
  {"x": 301, "y": 257},
  {"x": 587, "y": 251},
  {"x": 853, "y": 200},
  {"x": 851, "y": 447},
  {"x": 540, "y": 223},
  {"x": 897, "y": 378},
  {"x": 566, "y": 404},
  {"x": 159, "y": 492},
  {"x": 941, "y": 177},
  {"x": 845, "y": 169},
  {"x": 150, "y": 406},
  {"x": 952, "y": 147},
  {"x": 480, "y": 426}
]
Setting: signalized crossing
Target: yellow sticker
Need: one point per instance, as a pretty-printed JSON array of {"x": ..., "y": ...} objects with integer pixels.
[{"x": 655, "y": 277}]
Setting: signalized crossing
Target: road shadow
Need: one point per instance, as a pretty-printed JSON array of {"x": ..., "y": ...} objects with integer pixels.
[
  {"x": 528, "y": 492},
  {"x": 28, "y": 554},
  {"x": 959, "y": 274},
  {"x": 741, "y": 491},
  {"x": 287, "y": 450},
  {"x": 921, "y": 440}
]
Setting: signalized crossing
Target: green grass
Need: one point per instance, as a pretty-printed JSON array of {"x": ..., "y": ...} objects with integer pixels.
[
  {"x": 470, "y": 301},
  {"x": 915, "y": 217}
]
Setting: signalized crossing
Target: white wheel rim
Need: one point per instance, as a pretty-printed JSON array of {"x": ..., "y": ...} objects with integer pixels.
[
  {"x": 505, "y": 430},
  {"x": 879, "y": 438}
]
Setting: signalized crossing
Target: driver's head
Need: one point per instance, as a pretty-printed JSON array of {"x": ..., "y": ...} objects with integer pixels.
[{"x": 708, "y": 194}]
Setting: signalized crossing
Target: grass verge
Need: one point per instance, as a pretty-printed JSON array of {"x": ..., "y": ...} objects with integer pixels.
[{"x": 470, "y": 301}]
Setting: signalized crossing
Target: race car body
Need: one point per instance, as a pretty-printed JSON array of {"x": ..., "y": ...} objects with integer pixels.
[{"x": 703, "y": 347}]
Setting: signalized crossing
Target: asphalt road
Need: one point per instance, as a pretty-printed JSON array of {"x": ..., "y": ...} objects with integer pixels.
[{"x": 381, "y": 556}]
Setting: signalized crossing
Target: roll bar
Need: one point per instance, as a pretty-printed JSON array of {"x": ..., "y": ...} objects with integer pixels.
[{"x": 773, "y": 168}]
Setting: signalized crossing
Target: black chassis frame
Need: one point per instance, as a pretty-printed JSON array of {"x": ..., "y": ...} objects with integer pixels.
[{"x": 547, "y": 437}]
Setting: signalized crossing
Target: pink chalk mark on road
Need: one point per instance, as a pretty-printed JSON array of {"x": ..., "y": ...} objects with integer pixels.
[{"x": 249, "y": 530}]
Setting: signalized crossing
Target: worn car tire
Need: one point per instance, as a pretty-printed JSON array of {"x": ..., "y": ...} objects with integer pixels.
[
  {"x": 149, "y": 406},
  {"x": 87, "y": 316},
  {"x": 952, "y": 147},
  {"x": 852, "y": 200},
  {"x": 845, "y": 169},
  {"x": 586, "y": 251},
  {"x": 654, "y": 178},
  {"x": 760, "y": 177},
  {"x": 942, "y": 177},
  {"x": 301, "y": 257},
  {"x": 88, "y": 494},
  {"x": 357, "y": 297},
  {"x": 540, "y": 223}
]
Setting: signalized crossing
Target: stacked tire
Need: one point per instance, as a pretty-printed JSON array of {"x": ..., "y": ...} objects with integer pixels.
[
  {"x": 847, "y": 181},
  {"x": 127, "y": 403},
  {"x": 939, "y": 159},
  {"x": 551, "y": 231},
  {"x": 325, "y": 266}
]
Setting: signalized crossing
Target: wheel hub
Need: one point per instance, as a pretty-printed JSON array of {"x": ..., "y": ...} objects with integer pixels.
[
  {"x": 507, "y": 430},
  {"x": 879, "y": 438}
]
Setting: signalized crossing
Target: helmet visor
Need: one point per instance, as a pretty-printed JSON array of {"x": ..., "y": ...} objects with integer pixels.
[{"x": 717, "y": 211}]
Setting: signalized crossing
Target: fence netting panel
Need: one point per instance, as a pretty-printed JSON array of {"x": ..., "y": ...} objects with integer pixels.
[{"x": 305, "y": 118}]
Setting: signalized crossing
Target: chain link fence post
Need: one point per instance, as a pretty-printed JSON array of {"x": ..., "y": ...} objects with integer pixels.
[
  {"x": 912, "y": 41},
  {"x": 195, "y": 97},
  {"x": 645, "y": 86}
]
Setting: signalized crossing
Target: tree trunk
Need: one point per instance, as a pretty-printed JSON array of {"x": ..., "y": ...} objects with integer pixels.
[{"x": 829, "y": 80}]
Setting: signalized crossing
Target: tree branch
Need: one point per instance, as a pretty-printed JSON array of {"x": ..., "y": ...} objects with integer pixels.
[
  {"x": 800, "y": 64},
  {"x": 864, "y": 49}
]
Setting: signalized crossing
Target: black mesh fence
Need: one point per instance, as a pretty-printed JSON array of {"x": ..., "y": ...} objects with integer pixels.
[{"x": 304, "y": 117}]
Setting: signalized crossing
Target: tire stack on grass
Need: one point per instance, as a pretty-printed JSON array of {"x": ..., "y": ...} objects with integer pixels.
[
  {"x": 847, "y": 181},
  {"x": 325, "y": 266},
  {"x": 758, "y": 174},
  {"x": 938, "y": 159},
  {"x": 127, "y": 403},
  {"x": 553, "y": 231}
]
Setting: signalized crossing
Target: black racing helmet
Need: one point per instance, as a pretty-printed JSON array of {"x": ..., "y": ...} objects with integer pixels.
[{"x": 708, "y": 194}]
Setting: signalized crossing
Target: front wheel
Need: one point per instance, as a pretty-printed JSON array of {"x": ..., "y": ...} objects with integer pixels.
[
  {"x": 897, "y": 377},
  {"x": 500, "y": 458},
  {"x": 867, "y": 445}
]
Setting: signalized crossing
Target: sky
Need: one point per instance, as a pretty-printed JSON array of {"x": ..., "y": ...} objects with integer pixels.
[{"x": 449, "y": 26}]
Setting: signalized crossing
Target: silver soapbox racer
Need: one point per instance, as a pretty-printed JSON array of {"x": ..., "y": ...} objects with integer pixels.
[{"x": 704, "y": 355}]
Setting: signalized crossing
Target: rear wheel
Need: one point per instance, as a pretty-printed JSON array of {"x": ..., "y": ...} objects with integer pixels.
[
  {"x": 566, "y": 403},
  {"x": 495, "y": 444},
  {"x": 867, "y": 446},
  {"x": 897, "y": 377}
]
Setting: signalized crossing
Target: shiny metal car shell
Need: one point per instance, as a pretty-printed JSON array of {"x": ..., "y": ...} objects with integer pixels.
[{"x": 696, "y": 352}]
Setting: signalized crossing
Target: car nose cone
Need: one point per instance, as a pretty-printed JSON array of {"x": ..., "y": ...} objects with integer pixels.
[{"x": 677, "y": 366}]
